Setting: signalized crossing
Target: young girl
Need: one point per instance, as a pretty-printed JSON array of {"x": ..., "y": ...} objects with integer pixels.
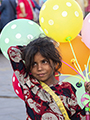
[{"x": 35, "y": 66}]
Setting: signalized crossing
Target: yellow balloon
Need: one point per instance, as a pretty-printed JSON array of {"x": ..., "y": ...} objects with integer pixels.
[{"x": 61, "y": 19}]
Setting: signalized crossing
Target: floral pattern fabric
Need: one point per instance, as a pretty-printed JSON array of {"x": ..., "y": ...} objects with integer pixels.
[{"x": 40, "y": 104}]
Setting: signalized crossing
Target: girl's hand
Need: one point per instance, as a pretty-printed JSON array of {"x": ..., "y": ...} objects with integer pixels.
[{"x": 87, "y": 87}]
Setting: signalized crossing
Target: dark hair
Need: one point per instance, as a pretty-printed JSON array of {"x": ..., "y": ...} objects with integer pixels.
[{"x": 45, "y": 46}]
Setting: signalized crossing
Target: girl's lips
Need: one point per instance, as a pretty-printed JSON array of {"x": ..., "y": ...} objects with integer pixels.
[{"x": 41, "y": 75}]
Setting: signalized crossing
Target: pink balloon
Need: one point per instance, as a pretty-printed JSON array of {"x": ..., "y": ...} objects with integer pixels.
[
  {"x": 83, "y": 99},
  {"x": 16, "y": 86},
  {"x": 85, "y": 32}
]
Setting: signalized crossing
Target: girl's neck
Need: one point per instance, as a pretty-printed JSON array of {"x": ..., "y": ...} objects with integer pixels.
[{"x": 52, "y": 82}]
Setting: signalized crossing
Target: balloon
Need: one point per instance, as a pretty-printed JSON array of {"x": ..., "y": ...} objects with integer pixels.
[
  {"x": 18, "y": 32},
  {"x": 85, "y": 32},
  {"x": 61, "y": 19},
  {"x": 79, "y": 90},
  {"x": 81, "y": 51},
  {"x": 85, "y": 99},
  {"x": 16, "y": 86}
]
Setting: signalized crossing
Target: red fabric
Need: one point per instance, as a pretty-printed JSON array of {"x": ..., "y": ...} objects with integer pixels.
[
  {"x": 88, "y": 7},
  {"x": 27, "y": 9},
  {"x": 39, "y": 104}
]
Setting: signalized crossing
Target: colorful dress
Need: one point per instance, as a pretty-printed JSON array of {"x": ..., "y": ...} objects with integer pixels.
[{"x": 39, "y": 104}]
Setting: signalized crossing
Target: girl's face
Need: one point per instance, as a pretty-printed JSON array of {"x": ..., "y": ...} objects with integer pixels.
[{"x": 42, "y": 70}]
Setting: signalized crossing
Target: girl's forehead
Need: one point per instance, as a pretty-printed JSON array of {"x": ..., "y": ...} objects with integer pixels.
[{"x": 38, "y": 55}]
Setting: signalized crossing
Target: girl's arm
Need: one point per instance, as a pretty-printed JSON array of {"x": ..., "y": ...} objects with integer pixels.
[{"x": 17, "y": 63}]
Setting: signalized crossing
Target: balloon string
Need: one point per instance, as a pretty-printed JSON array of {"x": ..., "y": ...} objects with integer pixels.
[
  {"x": 76, "y": 67},
  {"x": 71, "y": 76},
  {"x": 78, "y": 70},
  {"x": 80, "y": 81},
  {"x": 72, "y": 68},
  {"x": 88, "y": 67},
  {"x": 76, "y": 60},
  {"x": 88, "y": 62},
  {"x": 87, "y": 79},
  {"x": 89, "y": 73},
  {"x": 74, "y": 56}
]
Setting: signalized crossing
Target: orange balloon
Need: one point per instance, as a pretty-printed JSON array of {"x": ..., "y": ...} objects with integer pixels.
[{"x": 82, "y": 53}]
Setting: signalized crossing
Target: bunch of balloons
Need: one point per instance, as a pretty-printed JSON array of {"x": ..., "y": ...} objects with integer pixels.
[{"x": 62, "y": 20}]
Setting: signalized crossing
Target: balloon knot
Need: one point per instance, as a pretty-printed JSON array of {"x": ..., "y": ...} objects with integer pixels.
[
  {"x": 73, "y": 61},
  {"x": 79, "y": 84},
  {"x": 68, "y": 39},
  {"x": 87, "y": 109}
]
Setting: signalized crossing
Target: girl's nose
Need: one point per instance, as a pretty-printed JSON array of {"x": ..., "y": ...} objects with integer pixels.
[{"x": 39, "y": 67}]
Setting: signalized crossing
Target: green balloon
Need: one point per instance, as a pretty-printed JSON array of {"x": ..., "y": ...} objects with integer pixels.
[
  {"x": 80, "y": 90},
  {"x": 18, "y": 32}
]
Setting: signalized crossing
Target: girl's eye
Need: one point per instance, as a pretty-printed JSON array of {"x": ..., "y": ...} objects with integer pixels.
[
  {"x": 44, "y": 61},
  {"x": 34, "y": 64}
]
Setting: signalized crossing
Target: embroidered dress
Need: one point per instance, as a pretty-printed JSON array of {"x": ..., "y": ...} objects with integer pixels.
[{"x": 39, "y": 104}]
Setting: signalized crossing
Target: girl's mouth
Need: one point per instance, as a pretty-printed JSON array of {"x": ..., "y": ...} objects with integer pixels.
[{"x": 41, "y": 75}]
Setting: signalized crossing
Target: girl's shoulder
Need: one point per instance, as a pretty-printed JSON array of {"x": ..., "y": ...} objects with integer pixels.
[{"x": 67, "y": 85}]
